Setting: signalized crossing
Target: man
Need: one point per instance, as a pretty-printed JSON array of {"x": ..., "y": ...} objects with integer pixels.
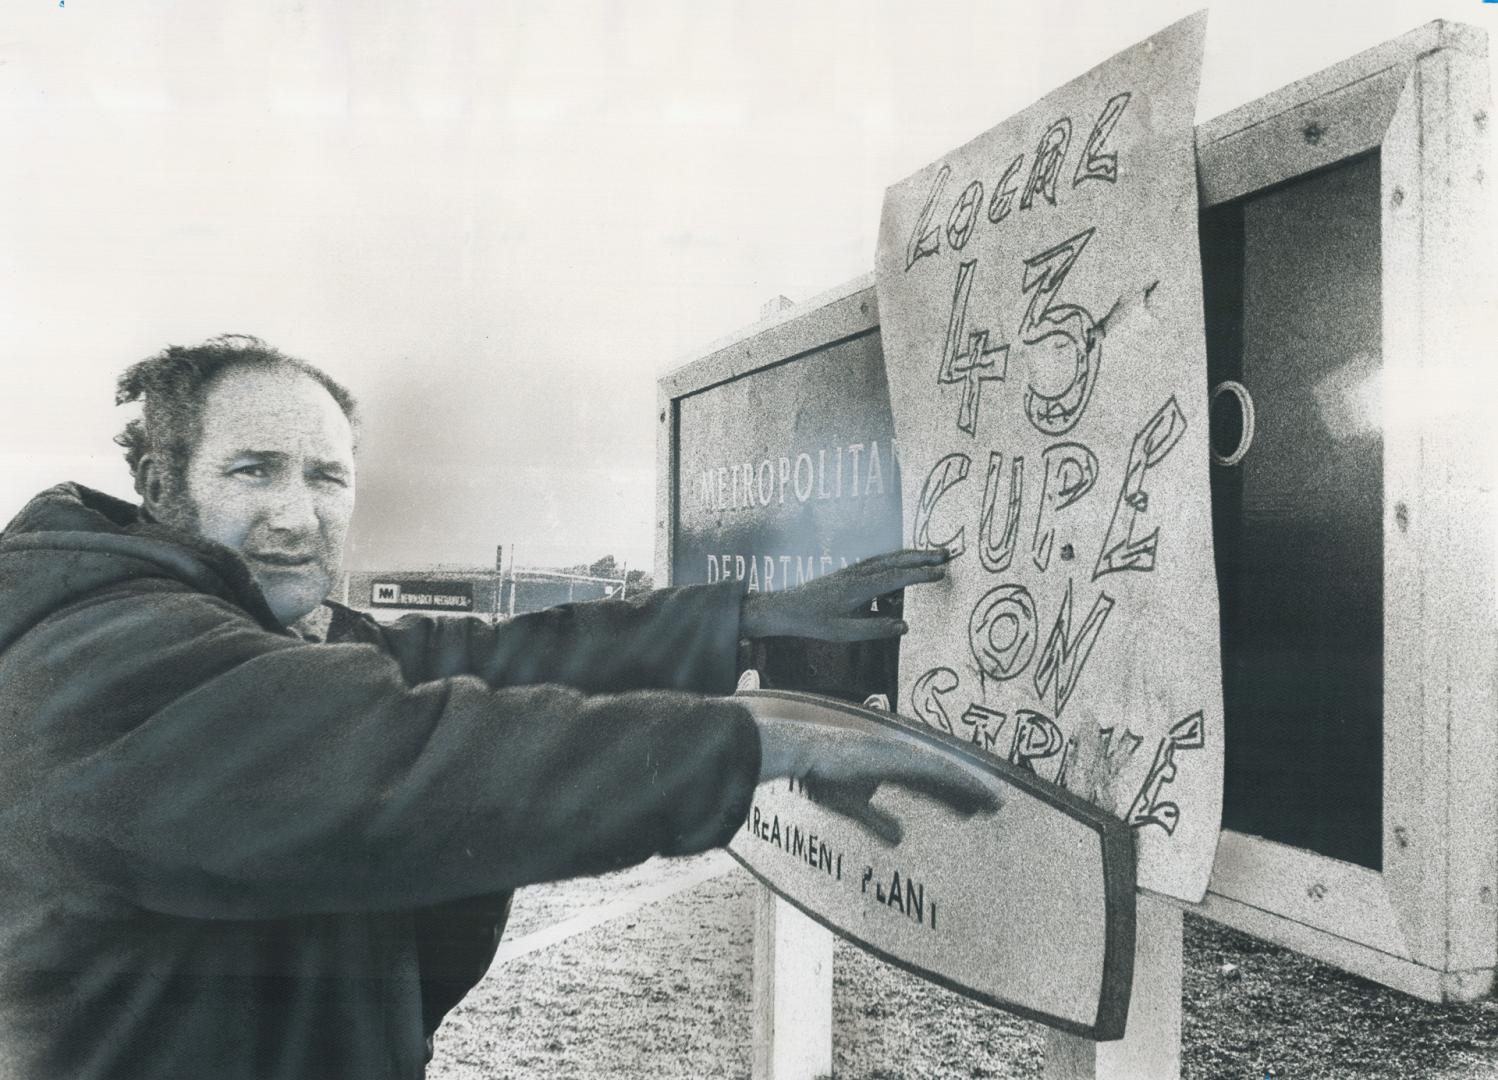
[{"x": 245, "y": 833}]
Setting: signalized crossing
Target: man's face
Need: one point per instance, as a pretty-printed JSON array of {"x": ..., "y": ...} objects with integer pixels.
[{"x": 272, "y": 476}]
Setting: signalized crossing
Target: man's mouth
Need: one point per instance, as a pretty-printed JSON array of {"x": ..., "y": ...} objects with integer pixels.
[{"x": 280, "y": 558}]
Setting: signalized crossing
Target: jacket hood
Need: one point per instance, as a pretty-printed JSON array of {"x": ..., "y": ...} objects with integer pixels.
[{"x": 71, "y": 541}]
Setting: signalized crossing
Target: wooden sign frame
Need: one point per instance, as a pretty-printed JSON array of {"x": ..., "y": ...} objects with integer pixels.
[
  {"x": 1427, "y": 923},
  {"x": 838, "y": 315}
]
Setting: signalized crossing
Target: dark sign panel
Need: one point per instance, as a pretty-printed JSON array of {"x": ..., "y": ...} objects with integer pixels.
[
  {"x": 786, "y": 474},
  {"x": 424, "y": 595},
  {"x": 1299, "y": 517},
  {"x": 789, "y": 472}
]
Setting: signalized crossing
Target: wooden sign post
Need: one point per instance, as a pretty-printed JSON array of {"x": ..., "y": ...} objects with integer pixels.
[{"x": 777, "y": 454}]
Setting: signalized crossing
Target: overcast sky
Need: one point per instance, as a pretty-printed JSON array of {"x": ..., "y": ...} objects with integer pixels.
[{"x": 500, "y": 222}]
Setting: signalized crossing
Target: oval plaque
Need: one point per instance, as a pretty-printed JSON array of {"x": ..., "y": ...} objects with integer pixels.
[{"x": 1030, "y": 909}]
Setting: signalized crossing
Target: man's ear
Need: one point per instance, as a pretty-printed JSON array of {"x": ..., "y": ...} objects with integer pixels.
[{"x": 154, "y": 485}]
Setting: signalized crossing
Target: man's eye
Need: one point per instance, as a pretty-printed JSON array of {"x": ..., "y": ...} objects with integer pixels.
[
  {"x": 336, "y": 479},
  {"x": 256, "y": 472}
]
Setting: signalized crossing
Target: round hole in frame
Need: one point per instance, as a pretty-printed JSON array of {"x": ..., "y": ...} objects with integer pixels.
[{"x": 1231, "y": 422}]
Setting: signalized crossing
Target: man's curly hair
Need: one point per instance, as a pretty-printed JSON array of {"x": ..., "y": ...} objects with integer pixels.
[{"x": 172, "y": 386}]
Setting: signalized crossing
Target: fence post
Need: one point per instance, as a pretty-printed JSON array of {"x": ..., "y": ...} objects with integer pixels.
[
  {"x": 1151, "y": 1046},
  {"x": 792, "y": 992}
]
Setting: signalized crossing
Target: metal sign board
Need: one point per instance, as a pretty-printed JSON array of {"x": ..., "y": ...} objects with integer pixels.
[
  {"x": 424, "y": 595},
  {"x": 1356, "y": 530},
  {"x": 1030, "y": 909},
  {"x": 788, "y": 471},
  {"x": 1041, "y": 309}
]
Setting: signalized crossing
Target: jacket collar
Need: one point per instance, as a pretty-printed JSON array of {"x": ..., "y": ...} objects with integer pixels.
[{"x": 77, "y": 518}]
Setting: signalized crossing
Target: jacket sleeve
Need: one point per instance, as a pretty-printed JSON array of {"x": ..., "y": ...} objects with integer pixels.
[
  {"x": 197, "y": 764},
  {"x": 680, "y": 639}
]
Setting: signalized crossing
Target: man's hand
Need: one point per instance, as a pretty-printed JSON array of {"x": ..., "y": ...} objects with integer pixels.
[
  {"x": 836, "y": 607},
  {"x": 841, "y": 769}
]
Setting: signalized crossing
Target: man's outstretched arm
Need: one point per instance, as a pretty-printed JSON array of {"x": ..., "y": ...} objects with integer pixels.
[
  {"x": 188, "y": 761},
  {"x": 680, "y": 638}
]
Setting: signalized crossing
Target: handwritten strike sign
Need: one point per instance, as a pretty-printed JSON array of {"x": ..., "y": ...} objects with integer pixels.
[{"x": 1041, "y": 310}]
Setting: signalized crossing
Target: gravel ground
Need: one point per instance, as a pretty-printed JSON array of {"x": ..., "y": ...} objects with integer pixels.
[
  {"x": 663, "y": 991},
  {"x": 544, "y": 905}
]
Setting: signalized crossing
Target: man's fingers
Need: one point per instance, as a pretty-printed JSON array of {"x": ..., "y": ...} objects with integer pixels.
[
  {"x": 884, "y": 827},
  {"x": 847, "y": 797},
  {"x": 841, "y": 795},
  {"x": 890, "y": 573},
  {"x": 893, "y": 579},
  {"x": 956, "y": 791},
  {"x": 907, "y": 559},
  {"x": 867, "y": 629},
  {"x": 866, "y": 762},
  {"x": 850, "y": 799},
  {"x": 911, "y": 557}
]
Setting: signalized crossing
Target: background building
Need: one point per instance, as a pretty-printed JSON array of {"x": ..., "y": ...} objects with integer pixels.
[{"x": 388, "y": 594}]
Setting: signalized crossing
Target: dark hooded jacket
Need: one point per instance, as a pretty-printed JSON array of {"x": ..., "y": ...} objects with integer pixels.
[{"x": 227, "y": 852}]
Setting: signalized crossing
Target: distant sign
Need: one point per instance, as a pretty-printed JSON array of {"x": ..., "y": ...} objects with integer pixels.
[
  {"x": 1041, "y": 309},
  {"x": 1030, "y": 909},
  {"x": 440, "y": 595}
]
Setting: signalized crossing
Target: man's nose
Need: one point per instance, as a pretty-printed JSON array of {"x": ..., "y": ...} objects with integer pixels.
[{"x": 293, "y": 508}]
